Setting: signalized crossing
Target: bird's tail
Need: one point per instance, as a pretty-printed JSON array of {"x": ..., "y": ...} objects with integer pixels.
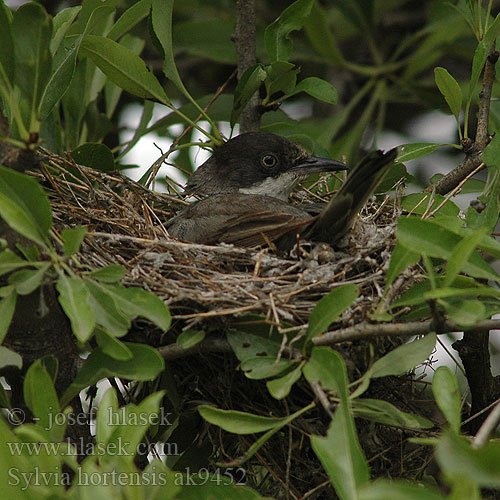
[{"x": 339, "y": 215}]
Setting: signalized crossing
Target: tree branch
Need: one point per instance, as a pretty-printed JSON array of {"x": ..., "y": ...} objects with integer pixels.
[
  {"x": 356, "y": 332},
  {"x": 246, "y": 52},
  {"x": 366, "y": 330}
]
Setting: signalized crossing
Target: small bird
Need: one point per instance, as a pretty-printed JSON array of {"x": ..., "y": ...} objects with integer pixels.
[{"x": 247, "y": 182}]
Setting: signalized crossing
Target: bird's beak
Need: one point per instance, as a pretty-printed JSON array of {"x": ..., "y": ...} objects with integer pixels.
[{"x": 315, "y": 164}]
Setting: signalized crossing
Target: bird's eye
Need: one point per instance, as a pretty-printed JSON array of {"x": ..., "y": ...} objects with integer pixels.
[{"x": 269, "y": 160}]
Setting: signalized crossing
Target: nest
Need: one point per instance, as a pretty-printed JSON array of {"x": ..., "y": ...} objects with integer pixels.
[
  {"x": 200, "y": 282},
  {"x": 212, "y": 287}
]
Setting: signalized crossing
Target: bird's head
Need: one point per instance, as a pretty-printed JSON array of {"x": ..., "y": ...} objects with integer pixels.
[{"x": 257, "y": 163}]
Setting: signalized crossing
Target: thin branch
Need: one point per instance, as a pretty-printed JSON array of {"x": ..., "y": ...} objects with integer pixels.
[
  {"x": 322, "y": 397},
  {"x": 485, "y": 99},
  {"x": 158, "y": 163},
  {"x": 245, "y": 39},
  {"x": 361, "y": 331},
  {"x": 487, "y": 428},
  {"x": 175, "y": 351},
  {"x": 366, "y": 330}
]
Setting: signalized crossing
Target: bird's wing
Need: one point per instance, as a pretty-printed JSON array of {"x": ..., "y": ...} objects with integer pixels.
[
  {"x": 259, "y": 228},
  {"x": 242, "y": 219}
]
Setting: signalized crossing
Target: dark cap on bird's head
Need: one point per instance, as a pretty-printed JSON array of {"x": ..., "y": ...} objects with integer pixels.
[{"x": 257, "y": 163}]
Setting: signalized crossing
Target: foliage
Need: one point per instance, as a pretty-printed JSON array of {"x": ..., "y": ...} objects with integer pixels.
[{"x": 62, "y": 80}]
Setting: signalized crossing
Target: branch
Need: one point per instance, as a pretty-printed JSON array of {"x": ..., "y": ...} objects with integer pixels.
[
  {"x": 474, "y": 150},
  {"x": 246, "y": 52},
  {"x": 485, "y": 99},
  {"x": 356, "y": 332},
  {"x": 175, "y": 351},
  {"x": 489, "y": 425},
  {"x": 366, "y": 330},
  {"x": 474, "y": 352}
]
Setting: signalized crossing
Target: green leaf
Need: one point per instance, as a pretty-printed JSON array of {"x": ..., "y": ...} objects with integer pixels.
[
  {"x": 60, "y": 79},
  {"x": 130, "y": 18},
  {"x": 106, "y": 312},
  {"x": 161, "y": 18},
  {"x": 247, "y": 345},
  {"x": 466, "y": 291},
  {"x": 109, "y": 274},
  {"x": 447, "y": 395},
  {"x": 25, "y": 206},
  {"x": 62, "y": 22},
  {"x": 111, "y": 346},
  {"x": 123, "y": 67},
  {"x": 435, "y": 241},
  {"x": 73, "y": 239},
  {"x": 317, "y": 88},
  {"x": 277, "y": 35},
  {"x": 145, "y": 365},
  {"x": 465, "y": 313},
  {"x": 385, "y": 489},
  {"x": 31, "y": 252},
  {"x": 74, "y": 298},
  {"x": 488, "y": 243},
  {"x": 330, "y": 307},
  {"x": 456, "y": 457},
  {"x": 320, "y": 35},
  {"x": 481, "y": 53},
  {"x": 9, "y": 261},
  {"x": 112, "y": 92},
  {"x": 383, "y": 412},
  {"x": 106, "y": 421},
  {"x": 7, "y": 308},
  {"x": 41, "y": 398},
  {"x": 404, "y": 358},
  {"x": 281, "y": 77},
  {"x": 246, "y": 421},
  {"x": 238, "y": 422},
  {"x": 401, "y": 259},
  {"x": 279, "y": 388},
  {"x": 190, "y": 338},
  {"x": 258, "y": 354},
  {"x": 249, "y": 83},
  {"x": 415, "y": 150},
  {"x": 491, "y": 153},
  {"x": 339, "y": 452},
  {"x": 128, "y": 437},
  {"x": 461, "y": 254},
  {"x": 262, "y": 367},
  {"x": 450, "y": 89},
  {"x": 135, "y": 302},
  {"x": 8, "y": 357},
  {"x": 7, "y": 52},
  {"x": 463, "y": 287},
  {"x": 94, "y": 155},
  {"x": 32, "y": 30},
  {"x": 27, "y": 281}
]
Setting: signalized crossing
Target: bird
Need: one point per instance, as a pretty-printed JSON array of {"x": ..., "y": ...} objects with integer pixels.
[{"x": 246, "y": 184}]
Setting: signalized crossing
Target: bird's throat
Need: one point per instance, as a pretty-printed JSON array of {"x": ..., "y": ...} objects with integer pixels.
[{"x": 278, "y": 187}]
